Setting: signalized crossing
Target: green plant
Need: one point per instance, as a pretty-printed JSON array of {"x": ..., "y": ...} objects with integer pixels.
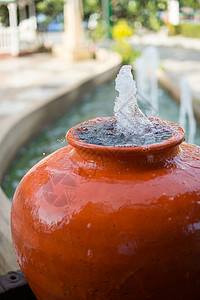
[
  {"x": 143, "y": 11},
  {"x": 4, "y": 16},
  {"x": 127, "y": 54},
  {"x": 49, "y": 8},
  {"x": 90, "y": 7},
  {"x": 99, "y": 33},
  {"x": 190, "y": 3},
  {"x": 187, "y": 30},
  {"x": 190, "y": 30},
  {"x": 174, "y": 30},
  {"x": 121, "y": 31},
  {"x": 154, "y": 23}
]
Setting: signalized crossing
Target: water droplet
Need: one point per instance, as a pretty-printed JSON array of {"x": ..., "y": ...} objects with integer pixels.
[{"x": 88, "y": 225}]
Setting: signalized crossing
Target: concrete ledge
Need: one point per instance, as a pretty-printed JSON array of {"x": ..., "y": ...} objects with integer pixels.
[
  {"x": 174, "y": 90},
  {"x": 161, "y": 39},
  {"x": 7, "y": 257},
  {"x": 18, "y": 130}
]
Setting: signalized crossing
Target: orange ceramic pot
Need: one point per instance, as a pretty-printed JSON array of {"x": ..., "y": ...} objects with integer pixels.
[{"x": 94, "y": 222}]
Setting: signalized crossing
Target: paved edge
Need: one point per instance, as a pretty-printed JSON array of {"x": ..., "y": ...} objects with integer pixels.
[
  {"x": 163, "y": 39},
  {"x": 31, "y": 121}
]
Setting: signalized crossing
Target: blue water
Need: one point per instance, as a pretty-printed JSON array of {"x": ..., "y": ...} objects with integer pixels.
[{"x": 94, "y": 104}]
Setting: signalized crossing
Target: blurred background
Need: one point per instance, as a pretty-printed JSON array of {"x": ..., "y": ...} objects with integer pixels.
[
  {"x": 41, "y": 23},
  {"x": 47, "y": 46}
]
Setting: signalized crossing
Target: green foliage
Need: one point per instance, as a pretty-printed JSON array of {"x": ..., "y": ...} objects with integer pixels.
[
  {"x": 131, "y": 7},
  {"x": 121, "y": 31},
  {"x": 99, "y": 33},
  {"x": 4, "y": 17},
  {"x": 143, "y": 11},
  {"x": 174, "y": 30},
  {"x": 190, "y": 30},
  {"x": 187, "y": 30},
  {"x": 50, "y": 8},
  {"x": 154, "y": 23},
  {"x": 127, "y": 54},
  {"x": 91, "y": 6},
  {"x": 190, "y": 3}
]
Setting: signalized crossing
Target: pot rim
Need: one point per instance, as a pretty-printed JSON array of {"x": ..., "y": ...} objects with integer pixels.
[{"x": 174, "y": 140}]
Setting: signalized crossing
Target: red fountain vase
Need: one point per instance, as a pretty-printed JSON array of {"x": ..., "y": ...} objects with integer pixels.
[{"x": 94, "y": 222}]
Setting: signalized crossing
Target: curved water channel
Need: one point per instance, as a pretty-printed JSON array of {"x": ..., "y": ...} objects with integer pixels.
[{"x": 94, "y": 104}]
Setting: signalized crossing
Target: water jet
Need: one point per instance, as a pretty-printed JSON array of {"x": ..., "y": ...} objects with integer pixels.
[
  {"x": 186, "y": 109},
  {"x": 146, "y": 67}
]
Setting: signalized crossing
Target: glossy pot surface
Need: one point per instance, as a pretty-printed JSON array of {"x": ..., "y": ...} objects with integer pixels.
[{"x": 95, "y": 222}]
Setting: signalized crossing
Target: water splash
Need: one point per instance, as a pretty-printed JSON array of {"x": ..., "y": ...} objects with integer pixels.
[
  {"x": 130, "y": 127},
  {"x": 146, "y": 67},
  {"x": 186, "y": 109},
  {"x": 106, "y": 134},
  {"x": 130, "y": 119}
]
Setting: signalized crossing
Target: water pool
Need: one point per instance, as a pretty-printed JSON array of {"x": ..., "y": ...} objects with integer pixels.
[{"x": 94, "y": 104}]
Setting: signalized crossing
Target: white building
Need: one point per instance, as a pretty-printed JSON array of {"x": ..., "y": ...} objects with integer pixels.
[
  {"x": 173, "y": 12},
  {"x": 20, "y": 36}
]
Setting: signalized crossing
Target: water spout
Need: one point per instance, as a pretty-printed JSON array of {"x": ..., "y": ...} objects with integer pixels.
[
  {"x": 130, "y": 128},
  {"x": 130, "y": 119}
]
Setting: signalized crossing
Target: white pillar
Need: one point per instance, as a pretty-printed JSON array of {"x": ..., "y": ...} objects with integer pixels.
[
  {"x": 73, "y": 48},
  {"x": 73, "y": 24},
  {"x": 173, "y": 12},
  {"x": 12, "y": 8},
  {"x": 14, "y": 32}
]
